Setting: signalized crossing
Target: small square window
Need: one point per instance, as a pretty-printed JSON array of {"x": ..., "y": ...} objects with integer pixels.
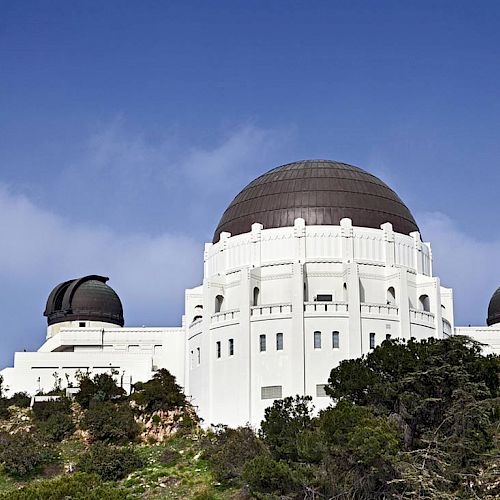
[{"x": 81, "y": 324}]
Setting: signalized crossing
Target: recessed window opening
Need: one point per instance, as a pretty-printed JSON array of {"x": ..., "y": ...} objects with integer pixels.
[
  {"x": 219, "y": 300},
  {"x": 271, "y": 392},
  {"x": 82, "y": 324},
  {"x": 317, "y": 340},
  {"x": 231, "y": 347},
  {"x": 218, "y": 349},
  {"x": 391, "y": 296},
  {"x": 198, "y": 353},
  {"x": 262, "y": 343},
  {"x": 279, "y": 341},
  {"x": 256, "y": 296},
  {"x": 424, "y": 303},
  {"x": 387, "y": 336},
  {"x": 324, "y": 297},
  {"x": 196, "y": 318},
  {"x": 335, "y": 340},
  {"x": 372, "y": 340},
  {"x": 344, "y": 292},
  {"x": 361, "y": 292}
]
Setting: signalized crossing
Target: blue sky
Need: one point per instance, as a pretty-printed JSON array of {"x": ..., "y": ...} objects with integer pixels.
[{"x": 127, "y": 127}]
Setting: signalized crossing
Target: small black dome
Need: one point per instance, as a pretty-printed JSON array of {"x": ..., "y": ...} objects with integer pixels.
[
  {"x": 88, "y": 298},
  {"x": 322, "y": 192},
  {"x": 494, "y": 309}
]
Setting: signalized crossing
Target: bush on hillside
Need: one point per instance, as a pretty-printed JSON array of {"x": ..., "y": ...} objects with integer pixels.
[
  {"x": 110, "y": 422},
  {"x": 57, "y": 427},
  {"x": 43, "y": 410},
  {"x": 79, "y": 486},
  {"x": 20, "y": 399},
  {"x": 101, "y": 387},
  {"x": 109, "y": 462},
  {"x": 228, "y": 450},
  {"x": 24, "y": 454},
  {"x": 159, "y": 393}
]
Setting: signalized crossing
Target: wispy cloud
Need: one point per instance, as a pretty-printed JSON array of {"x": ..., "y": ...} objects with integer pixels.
[{"x": 468, "y": 265}]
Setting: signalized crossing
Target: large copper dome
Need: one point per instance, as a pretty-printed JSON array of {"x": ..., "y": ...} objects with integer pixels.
[
  {"x": 494, "y": 309},
  {"x": 322, "y": 192},
  {"x": 88, "y": 298}
]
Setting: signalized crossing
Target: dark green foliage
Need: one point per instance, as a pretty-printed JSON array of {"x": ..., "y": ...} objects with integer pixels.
[
  {"x": 169, "y": 456},
  {"x": 110, "y": 422},
  {"x": 110, "y": 462},
  {"x": 42, "y": 410},
  {"x": 263, "y": 474},
  {"x": 102, "y": 387},
  {"x": 283, "y": 423},
  {"x": 57, "y": 427},
  {"x": 24, "y": 453},
  {"x": 159, "y": 393},
  {"x": 79, "y": 486},
  {"x": 228, "y": 450},
  {"x": 20, "y": 399}
]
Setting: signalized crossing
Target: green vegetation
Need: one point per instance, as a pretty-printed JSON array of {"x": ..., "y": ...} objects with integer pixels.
[{"x": 410, "y": 420}]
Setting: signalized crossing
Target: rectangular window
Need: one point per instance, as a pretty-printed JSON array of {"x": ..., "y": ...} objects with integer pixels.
[
  {"x": 198, "y": 352},
  {"x": 262, "y": 343},
  {"x": 81, "y": 324},
  {"x": 317, "y": 340},
  {"x": 231, "y": 347},
  {"x": 217, "y": 349},
  {"x": 279, "y": 341},
  {"x": 335, "y": 340},
  {"x": 320, "y": 391},
  {"x": 372, "y": 340},
  {"x": 271, "y": 392},
  {"x": 324, "y": 297}
]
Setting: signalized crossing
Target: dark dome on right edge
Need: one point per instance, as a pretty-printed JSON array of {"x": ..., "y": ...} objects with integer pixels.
[
  {"x": 494, "y": 309},
  {"x": 322, "y": 192}
]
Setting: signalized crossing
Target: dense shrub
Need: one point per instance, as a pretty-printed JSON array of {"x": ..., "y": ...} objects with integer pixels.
[
  {"x": 24, "y": 453},
  {"x": 283, "y": 422},
  {"x": 42, "y": 410},
  {"x": 109, "y": 462},
  {"x": 228, "y": 450},
  {"x": 159, "y": 393},
  {"x": 79, "y": 486},
  {"x": 110, "y": 422},
  {"x": 57, "y": 427},
  {"x": 265, "y": 475},
  {"x": 102, "y": 387},
  {"x": 20, "y": 399}
]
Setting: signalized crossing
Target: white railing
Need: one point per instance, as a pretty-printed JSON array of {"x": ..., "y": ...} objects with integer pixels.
[
  {"x": 325, "y": 307},
  {"x": 264, "y": 310},
  {"x": 379, "y": 309},
  {"x": 223, "y": 316},
  {"x": 421, "y": 317}
]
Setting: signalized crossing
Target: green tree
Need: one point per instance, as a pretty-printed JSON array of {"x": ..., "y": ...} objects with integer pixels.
[{"x": 101, "y": 387}]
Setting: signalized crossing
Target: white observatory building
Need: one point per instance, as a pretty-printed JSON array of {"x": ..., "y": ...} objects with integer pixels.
[{"x": 312, "y": 263}]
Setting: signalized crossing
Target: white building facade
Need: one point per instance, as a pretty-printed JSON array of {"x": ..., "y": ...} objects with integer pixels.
[{"x": 313, "y": 263}]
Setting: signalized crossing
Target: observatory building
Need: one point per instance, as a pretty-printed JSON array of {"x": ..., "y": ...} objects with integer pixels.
[{"x": 312, "y": 263}]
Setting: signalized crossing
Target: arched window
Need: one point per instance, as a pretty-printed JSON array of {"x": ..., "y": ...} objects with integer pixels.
[
  {"x": 317, "y": 340},
  {"x": 279, "y": 341},
  {"x": 372, "y": 340},
  {"x": 262, "y": 343},
  {"x": 335, "y": 340},
  {"x": 391, "y": 296},
  {"x": 219, "y": 300},
  {"x": 424, "y": 303},
  {"x": 197, "y": 318},
  {"x": 256, "y": 296}
]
